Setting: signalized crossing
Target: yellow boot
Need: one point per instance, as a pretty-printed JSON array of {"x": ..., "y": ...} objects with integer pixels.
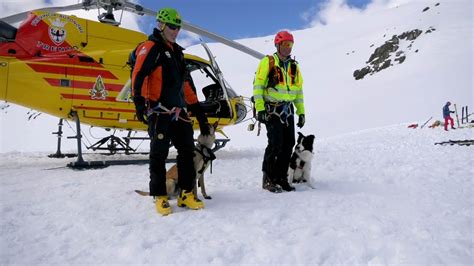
[
  {"x": 187, "y": 199},
  {"x": 162, "y": 205}
]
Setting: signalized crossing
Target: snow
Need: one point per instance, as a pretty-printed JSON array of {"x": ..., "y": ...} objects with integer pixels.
[{"x": 385, "y": 194}]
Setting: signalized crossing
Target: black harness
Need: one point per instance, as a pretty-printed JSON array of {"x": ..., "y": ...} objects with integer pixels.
[{"x": 207, "y": 156}]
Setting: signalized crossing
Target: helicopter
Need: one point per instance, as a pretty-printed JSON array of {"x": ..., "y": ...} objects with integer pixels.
[{"x": 76, "y": 69}]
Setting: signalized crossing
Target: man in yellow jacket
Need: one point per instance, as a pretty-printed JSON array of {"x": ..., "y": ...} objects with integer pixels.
[{"x": 277, "y": 90}]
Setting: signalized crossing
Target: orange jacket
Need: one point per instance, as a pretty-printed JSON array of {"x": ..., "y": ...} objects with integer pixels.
[{"x": 160, "y": 74}]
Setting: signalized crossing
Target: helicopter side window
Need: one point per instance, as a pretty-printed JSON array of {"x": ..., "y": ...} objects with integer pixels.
[
  {"x": 7, "y": 31},
  {"x": 210, "y": 94}
]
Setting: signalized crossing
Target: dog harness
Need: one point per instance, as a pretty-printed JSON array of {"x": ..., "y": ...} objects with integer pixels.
[{"x": 207, "y": 155}]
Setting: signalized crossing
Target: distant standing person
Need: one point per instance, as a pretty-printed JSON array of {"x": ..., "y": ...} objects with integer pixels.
[
  {"x": 447, "y": 117},
  {"x": 277, "y": 89}
]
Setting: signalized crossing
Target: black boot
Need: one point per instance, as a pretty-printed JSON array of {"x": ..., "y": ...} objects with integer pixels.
[
  {"x": 269, "y": 185},
  {"x": 285, "y": 185}
]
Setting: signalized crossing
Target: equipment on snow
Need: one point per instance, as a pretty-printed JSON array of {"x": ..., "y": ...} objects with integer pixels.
[
  {"x": 457, "y": 116},
  {"x": 426, "y": 122},
  {"x": 466, "y": 142}
]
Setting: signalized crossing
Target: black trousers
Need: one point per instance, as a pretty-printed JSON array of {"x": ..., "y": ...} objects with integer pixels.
[
  {"x": 162, "y": 131},
  {"x": 281, "y": 139}
]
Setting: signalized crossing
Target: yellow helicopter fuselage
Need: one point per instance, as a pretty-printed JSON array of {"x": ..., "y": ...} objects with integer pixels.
[{"x": 60, "y": 64}]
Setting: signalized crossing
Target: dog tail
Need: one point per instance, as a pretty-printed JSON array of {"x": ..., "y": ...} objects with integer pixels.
[{"x": 142, "y": 193}]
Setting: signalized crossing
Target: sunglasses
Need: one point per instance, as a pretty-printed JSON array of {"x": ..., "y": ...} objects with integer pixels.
[
  {"x": 173, "y": 27},
  {"x": 287, "y": 44}
]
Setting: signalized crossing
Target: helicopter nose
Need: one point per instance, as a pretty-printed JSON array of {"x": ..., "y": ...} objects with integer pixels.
[{"x": 3, "y": 79}]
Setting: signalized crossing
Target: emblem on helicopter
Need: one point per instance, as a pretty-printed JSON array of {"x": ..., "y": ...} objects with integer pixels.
[
  {"x": 99, "y": 91},
  {"x": 57, "y": 33}
]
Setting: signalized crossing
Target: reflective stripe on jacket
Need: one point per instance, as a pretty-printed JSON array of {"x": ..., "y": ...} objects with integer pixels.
[{"x": 288, "y": 87}]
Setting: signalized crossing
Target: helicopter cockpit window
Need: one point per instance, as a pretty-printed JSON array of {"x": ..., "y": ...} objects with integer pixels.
[
  {"x": 7, "y": 32},
  {"x": 208, "y": 89}
]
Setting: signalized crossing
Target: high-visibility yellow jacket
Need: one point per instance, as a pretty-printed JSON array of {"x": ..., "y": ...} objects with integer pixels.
[{"x": 286, "y": 87}]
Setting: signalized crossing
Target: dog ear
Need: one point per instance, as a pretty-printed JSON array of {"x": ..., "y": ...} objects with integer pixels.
[{"x": 300, "y": 137}]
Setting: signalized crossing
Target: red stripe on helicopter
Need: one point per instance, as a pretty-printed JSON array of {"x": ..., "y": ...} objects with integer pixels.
[
  {"x": 73, "y": 71},
  {"x": 84, "y": 84},
  {"x": 104, "y": 109},
  {"x": 86, "y": 97}
]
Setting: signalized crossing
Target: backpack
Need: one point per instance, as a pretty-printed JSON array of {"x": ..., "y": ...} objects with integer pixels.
[
  {"x": 132, "y": 58},
  {"x": 275, "y": 75}
]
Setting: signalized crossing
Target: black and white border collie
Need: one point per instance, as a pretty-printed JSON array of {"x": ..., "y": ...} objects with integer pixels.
[{"x": 300, "y": 162}]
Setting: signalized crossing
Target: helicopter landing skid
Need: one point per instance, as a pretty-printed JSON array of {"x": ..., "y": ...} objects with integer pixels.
[{"x": 81, "y": 164}]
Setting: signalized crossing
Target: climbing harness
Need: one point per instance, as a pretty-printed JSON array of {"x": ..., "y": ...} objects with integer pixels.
[
  {"x": 174, "y": 112},
  {"x": 283, "y": 110}
]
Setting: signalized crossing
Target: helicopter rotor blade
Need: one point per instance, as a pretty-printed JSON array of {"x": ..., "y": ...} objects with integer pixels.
[
  {"x": 202, "y": 32},
  {"x": 21, "y": 16}
]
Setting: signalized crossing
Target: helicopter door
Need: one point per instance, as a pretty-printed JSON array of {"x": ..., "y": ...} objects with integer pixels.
[
  {"x": 218, "y": 74},
  {"x": 3, "y": 78}
]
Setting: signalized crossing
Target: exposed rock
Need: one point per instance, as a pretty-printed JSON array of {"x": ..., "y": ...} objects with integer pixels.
[
  {"x": 383, "y": 55},
  {"x": 431, "y": 29},
  {"x": 400, "y": 59},
  {"x": 437, "y": 4},
  {"x": 359, "y": 74},
  {"x": 410, "y": 35},
  {"x": 426, "y": 9},
  {"x": 383, "y": 52}
]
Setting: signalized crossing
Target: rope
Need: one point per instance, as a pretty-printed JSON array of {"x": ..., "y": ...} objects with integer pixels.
[{"x": 174, "y": 112}]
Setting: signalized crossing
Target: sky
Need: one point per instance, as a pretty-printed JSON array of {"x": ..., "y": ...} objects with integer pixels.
[{"x": 237, "y": 19}]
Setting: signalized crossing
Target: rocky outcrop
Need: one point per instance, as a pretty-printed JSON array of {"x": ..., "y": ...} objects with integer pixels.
[{"x": 388, "y": 53}]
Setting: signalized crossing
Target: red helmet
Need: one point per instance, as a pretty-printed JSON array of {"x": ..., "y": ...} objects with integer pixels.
[{"x": 283, "y": 36}]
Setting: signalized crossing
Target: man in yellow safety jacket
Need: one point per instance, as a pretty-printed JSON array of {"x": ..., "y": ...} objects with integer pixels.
[{"x": 277, "y": 89}]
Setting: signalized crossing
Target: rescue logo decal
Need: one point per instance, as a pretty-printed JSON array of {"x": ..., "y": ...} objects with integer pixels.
[
  {"x": 57, "y": 32},
  {"x": 99, "y": 92}
]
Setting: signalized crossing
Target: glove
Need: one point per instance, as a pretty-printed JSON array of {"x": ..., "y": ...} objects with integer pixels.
[
  {"x": 301, "y": 121},
  {"x": 262, "y": 117},
  {"x": 140, "y": 108},
  {"x": 196, "y": 109}
]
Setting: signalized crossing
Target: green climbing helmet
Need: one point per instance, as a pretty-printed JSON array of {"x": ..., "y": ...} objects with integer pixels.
[{"x": 169, "y": 16}]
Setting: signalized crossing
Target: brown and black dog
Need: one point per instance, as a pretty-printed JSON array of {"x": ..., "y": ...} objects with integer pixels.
[{"x": 203, "y": 156}]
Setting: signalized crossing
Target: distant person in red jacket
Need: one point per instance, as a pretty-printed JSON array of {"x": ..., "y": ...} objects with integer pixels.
[{"x": 447, "y": 116}]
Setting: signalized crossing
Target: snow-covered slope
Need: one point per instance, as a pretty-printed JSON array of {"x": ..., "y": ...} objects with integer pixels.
[
  {"x": 413, "y": 91},
  {"x": 383, "y": 196}
]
